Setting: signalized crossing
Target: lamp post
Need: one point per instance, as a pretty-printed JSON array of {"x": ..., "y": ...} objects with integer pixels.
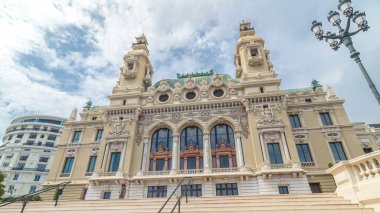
[{"x": 344, "y": 35}]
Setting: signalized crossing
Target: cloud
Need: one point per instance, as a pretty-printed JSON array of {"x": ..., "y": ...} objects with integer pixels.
[{"x": 55, "y": 55}]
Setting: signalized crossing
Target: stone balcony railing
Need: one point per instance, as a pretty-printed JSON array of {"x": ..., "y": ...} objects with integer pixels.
[
  {"x": 358, "y": 179},
  {"x": 307, "y": 164}
]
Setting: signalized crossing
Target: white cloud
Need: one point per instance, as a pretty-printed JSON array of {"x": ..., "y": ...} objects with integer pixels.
[{"x": 183, "y": 36}]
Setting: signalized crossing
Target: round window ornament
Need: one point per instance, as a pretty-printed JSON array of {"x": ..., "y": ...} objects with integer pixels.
[
  {"x": 218, "y": 93},
  {"x": 190, "y": 95},
  {"x": 163, "y": 98}
]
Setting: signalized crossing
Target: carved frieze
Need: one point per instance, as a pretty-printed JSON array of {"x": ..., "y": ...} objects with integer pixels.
[{"x": 268, "y": 119}]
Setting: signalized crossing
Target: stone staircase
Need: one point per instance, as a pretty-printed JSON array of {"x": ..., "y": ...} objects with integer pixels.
[{"x": 309, "y": 203}]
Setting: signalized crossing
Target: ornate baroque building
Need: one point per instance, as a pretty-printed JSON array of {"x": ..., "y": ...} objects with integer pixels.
[
  {"x": 233, "y": 136},
  {"x": 27, "y": 152}
]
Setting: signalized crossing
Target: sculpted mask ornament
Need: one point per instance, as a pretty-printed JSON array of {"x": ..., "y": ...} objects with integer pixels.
[
  {"x": 129, "y": 69},
  {"x": 217, "y": 80},
  {"x": 190, "y": 83},
  {"x": 118, "y": 129},
  {"x": 164, "y": 86},
  {"x": 267, "y": 118}
]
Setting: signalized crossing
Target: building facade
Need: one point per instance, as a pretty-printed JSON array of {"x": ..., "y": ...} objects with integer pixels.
[
  {"x": 369, "y": 136},
  {"x": 27, "y": 152},
  {"x": 233, "y": 136}
]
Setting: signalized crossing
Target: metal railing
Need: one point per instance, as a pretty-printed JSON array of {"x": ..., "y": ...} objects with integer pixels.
[
  {"x": 26, "y": 198},
  {"x": 178, "y": 203}
]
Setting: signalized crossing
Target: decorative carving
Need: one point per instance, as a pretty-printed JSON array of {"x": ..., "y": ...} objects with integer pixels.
[
  {"x": 190, "y": 83},
  {"x": 119, "y": 129},
  {"x": 116, "y": 147},
  {"x": 129, "y": 69},
  {"x": 177, "y": 91},
  {"x": 271, "y": 137},
  {"x": 244, "y": 126},
  {"x": 164, "y": 86},
  {"x": 217, "y": 80},
  {"x": 267, "y": 118},
  {"x": 150, "y": 94},
  {"x": 203, "y": 88}
]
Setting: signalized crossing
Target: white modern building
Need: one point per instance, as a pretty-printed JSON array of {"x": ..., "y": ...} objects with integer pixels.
[{"x": 27, "y": 152}]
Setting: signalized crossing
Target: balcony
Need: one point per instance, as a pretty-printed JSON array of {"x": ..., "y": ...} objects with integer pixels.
[
  {"x": 307, "y": 164},
  {"x": 29, "y": 169},
  {"x": 35, "y": 130},
  {"x": 292, "y": 168}
]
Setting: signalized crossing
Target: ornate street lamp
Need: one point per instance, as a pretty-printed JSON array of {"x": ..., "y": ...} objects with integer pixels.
[{"x": 344, "y": 36}]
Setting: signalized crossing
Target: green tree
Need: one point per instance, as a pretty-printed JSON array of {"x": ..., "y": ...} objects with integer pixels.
[{"x": 2, "y": 187}]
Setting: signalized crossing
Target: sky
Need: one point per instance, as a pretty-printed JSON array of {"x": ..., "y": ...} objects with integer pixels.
[{"x": 56, "y": 55}]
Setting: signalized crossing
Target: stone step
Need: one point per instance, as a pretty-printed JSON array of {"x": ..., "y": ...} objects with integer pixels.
[{"x": 310, "y": 203}]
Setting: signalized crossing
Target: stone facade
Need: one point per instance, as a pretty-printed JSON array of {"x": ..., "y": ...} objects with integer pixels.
[
  {"x": 250, "y": 135},
  {"x": 27, "y": 152}
]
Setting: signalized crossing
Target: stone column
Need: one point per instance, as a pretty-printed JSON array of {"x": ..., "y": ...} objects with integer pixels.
[
  {"x": 105, "y": 158},
  {"x": 174, "y": 154},
  {"x": 206, "y": 152},
  {"x": 145, "y": 155},
  {"x": 284, "y": 144},
  {"x": 264, "y": 148},
  {"x": 239, "y": 150},
  {"x": 121, "y": 163}
]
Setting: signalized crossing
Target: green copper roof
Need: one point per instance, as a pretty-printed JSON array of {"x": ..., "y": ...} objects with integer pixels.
[{"x": 198, "y": 79}]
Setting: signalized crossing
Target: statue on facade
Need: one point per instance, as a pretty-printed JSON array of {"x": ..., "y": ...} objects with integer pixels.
[{"x": 73, "y": 115}]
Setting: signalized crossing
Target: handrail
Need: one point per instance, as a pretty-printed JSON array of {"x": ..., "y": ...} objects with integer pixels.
[
  {"x": 25, "y": 198},
  {"x": 179, "y": 198}
]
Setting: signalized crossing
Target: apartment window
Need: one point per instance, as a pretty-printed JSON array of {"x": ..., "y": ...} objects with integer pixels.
[
  {"x": 32, "y": 136},
  {"x": 157, "y": 191},
  {"x": 283, "y": 190},
  {"x": 193, "y": 190},
  {"x": 261, "y": 90},
  {"x": 99, "y": 135},
  {"x": 15, "y": 177},
  {"x": 226, "y": 189},
  {"x": 49, "y": 144},
  {"x": 5, "y": 165},
  {"x": 10, "y": 137},
  {"x": 20, "y": 166},
  {"x": 367, "y": 150},
  {"x": 325, "y": 117},
  {"x": 114, "y": 163},
  {"x": 91, "y": 164},
  {"x": 42, "y": 136},
  {"x": 304, "y": 152},
  {"x": 338, "y": 152},
  {"x": 30, "y": 143},
  {"x": 41, "y": 167},
  {"x": 295, "y": 121},
  {"x": 9, "y": 156},
  {"x": 37, "y": 177},
  {"x": 23, "y": 157},
  {"x": 36, "y": 127},
  {"x": 274, "y": 153},
  {"x": 11, "y": 189},
  {"x": 315, "y": 187},
  {"x": 54, "y": 130},
  {"x": 107, "y": 195},
  {"x": 52, "y": 137},
  {"x": 44, "y": 159},
  {"x": 68, "y": 165},
  {"x": 19, "y": 136},
  {"x": 76, "y": 137},
  {"x": 32, "y": 189}
]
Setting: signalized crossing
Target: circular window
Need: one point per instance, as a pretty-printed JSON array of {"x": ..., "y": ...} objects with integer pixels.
[
  {"x": 218, "y": 93},
  {"x": 190, "y": 95},
  {"x": 163, "y": 97}
]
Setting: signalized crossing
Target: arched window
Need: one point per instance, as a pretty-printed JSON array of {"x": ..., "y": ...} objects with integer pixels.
[
  {"x": 223, "y": 147},
  {"x": 191, "y": 135},
  {"x": 160, "y": 150},
  {"x": 222, "y": 133},
  {"x": 191, "y": 155}
]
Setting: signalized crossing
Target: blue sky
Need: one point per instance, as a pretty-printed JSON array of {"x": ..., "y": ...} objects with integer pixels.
[{"x": 55, "y": 55}]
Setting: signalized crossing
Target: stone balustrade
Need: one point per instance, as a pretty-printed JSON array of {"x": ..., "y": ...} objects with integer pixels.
[{"x": 358, "y": 179}]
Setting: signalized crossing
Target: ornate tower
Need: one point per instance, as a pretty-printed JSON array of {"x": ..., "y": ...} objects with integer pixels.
[
  {"x": 252, "y": 62},
  {"x": 135, "y": 74}
]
